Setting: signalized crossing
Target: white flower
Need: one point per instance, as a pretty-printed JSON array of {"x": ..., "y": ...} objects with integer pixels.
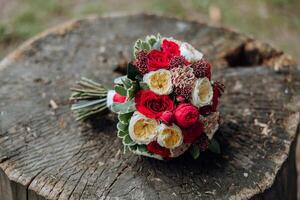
[
  {"x": 169, "y": 136},
  {"x": 189, "y": 52},
  {"x": 211, "y": 124},
  {"x": 109, "y": 98},
  {"x": 141, "y": 129},
  {"x": 202, "y": 93},
  {"x": 160, "y": 81}
]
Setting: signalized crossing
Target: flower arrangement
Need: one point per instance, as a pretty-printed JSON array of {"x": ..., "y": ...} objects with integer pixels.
[{"x": 166, "y": 104}]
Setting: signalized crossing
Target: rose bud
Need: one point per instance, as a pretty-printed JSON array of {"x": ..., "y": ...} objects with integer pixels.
[
  {"x": 118, "y": 98},
  {"x": 180, "y": 99},
  {"x": 186, "y": 115},
  {"x": 167, "y": 117}
]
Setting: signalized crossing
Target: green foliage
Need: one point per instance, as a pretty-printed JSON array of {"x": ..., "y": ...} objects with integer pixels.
[
  {"x": 120, "y": 90},
  {"x": 146, "y": 44},
  {"x": 194, "y": 151},
  {"x": 127, "y": 141},
  {"x": 142, "y": 150},
  {"x": 123, "y": 129},
  {"x": 144, "y": 86},
  {"x": 132, "y": 72},
  {"x": 124, "y": 118},
  {"x": 126, "y": 87},
  {"x": 123, "y": 108},
  {"x": 214, "y": 146}
]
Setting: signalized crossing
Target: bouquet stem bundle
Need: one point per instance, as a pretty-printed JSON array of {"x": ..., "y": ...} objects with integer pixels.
[{"x": 88, "y": 98}]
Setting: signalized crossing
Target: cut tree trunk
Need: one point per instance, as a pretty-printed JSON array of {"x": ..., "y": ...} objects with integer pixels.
[{"x": 46, "y": 154}]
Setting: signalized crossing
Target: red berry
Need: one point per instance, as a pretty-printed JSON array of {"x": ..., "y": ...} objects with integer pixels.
[
  {"x": 141, "y": 62},
  {"x": 202, "y": 68}
]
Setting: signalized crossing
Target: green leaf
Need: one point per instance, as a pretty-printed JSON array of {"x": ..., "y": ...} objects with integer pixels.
[
  {"x": 194, "y": 151},
  {"x": 122, "y": 127},
  {"x": 120, "y": 79},
  {"x": 132, "y": 72},
  {"x": 123, "y": 108},
  {"x": 127, "y": 83},
  {"x": 122, "y": 134},
  {"x": 147, "y": 44},
  {"x": 152, "y": 39},
  {"x": 127, "y": 141},
  {"x": 120, "y": 90},
  {"x": 144, "y": 86},
  {"x": 124, "y": 118},
  {"x": 214, "y": 146},
  {"x": 131, "y": 91},
  {"x": 142, "y": 150}
]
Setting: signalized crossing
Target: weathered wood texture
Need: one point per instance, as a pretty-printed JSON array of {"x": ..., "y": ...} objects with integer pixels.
[{"x": 44, "y": 153}]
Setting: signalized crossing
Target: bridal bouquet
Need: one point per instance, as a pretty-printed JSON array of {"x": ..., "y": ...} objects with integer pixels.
[{"x": 166, "y": 104}]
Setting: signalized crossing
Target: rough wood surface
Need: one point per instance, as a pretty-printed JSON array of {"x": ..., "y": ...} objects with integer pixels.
[{"x": 44, "y": 153}]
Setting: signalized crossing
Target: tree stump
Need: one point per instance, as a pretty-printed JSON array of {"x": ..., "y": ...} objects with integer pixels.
[{"x": 46, "y": 154}]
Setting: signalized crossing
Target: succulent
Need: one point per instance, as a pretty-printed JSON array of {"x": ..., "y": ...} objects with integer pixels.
[{"x": 183, "y": 80}]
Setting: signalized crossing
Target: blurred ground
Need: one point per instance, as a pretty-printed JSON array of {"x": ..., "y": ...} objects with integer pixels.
[{"x": 273, "y": 21}]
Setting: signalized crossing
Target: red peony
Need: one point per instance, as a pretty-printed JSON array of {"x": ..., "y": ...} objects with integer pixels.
[
  {"x": 152, "y": 105},
  {"x": 157, "y": 60},
  {"x": 170, "y": 48},
  {"x": 167, "y": 117},
  {"x": 186, "y": 115},
  {"x": 118, "y": 98},
  {"x": 191, "y": 134},
  {"x": 155, "y": 148}
]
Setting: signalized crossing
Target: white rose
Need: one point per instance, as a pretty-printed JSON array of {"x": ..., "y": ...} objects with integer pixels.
[
  {"x": 189, "y": 52},
  {"x": 202, "y": 93},
  {"x": 160, "y": 81},
  {"x": 141, "y": 129},
  {"x": 169, "y": 136}
]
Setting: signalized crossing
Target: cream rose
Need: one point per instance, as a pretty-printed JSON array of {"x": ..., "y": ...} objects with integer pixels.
[
  {"x": 189, "y": 52},
  {"x": 141, "y": 129},
  {"x": 169, "y": 136},
  {"x": 202, "y": 93},
  {"x": 160, "y": 81}
]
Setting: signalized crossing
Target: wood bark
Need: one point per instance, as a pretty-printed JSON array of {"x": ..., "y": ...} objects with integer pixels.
[{"x": 46, "y": 154}]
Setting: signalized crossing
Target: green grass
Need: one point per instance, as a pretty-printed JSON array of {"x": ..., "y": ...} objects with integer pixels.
[{"x": 264, "y": 18}]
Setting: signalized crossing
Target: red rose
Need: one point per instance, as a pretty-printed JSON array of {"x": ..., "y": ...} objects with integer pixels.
[
  {"x": 118, "y": 98},
  {"x": 152, "y": 105},
  {"x": 157, "y": 60},
  {"x": 191, "y": 134},
  {"x": 186, "y": 115},
  {"x": 167, "y": 117},
  {"x": 155, "y": 148},
  {"x": 171, "y": 48}
]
